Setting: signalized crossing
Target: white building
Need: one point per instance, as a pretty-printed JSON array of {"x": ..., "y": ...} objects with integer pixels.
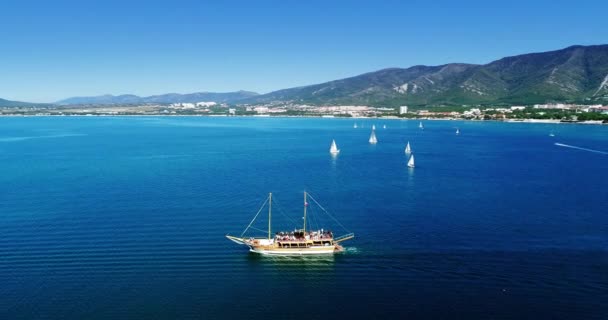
[
  {"x": 183, "y": 105},
  {"x": 403, "y": 110},
  {"x": 205, "y": 104},
  {"x": 560, "y": 106},
  {"x": 599, "y": 108},
  {"x": 260, "y": 109},
  {"x": 472, "y": 112}
]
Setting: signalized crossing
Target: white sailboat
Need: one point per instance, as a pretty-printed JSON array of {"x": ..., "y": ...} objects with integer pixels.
[
  {"x": 372, "y": 137},
  {"x": 420, "y": 125},
  {"x": 383, "y": 126},
  {"x": 408, "y": 149},
  {"x": 334, "y": 148},
  {"x": 373, "y": 127},
  {"x": 457, "y": 131},
  {"x": 355, "y": 125},
  {"x": 410, "y": 163}
]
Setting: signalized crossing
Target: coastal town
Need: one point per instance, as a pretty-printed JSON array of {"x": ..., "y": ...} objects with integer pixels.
[{"x": 552, "y": 111}]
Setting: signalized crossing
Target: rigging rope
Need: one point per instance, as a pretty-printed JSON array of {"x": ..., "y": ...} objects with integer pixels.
[
  {"x": 256, "y": 215},
  {"x": 280, "y": 209},
  {"x": 320, "y": 206},
  {"x": 313, "y": 220},
  {"x": 264, "y": 231}
]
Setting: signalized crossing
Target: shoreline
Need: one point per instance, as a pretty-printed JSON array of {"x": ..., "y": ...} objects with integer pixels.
[{"x": 541, "y": 121}]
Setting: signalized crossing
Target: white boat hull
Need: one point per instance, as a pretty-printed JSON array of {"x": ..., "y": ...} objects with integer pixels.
[{"x": 295, "y": 251}]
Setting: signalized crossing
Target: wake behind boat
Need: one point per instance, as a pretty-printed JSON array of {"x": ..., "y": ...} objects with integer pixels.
[{"x": 297, "y": 242}]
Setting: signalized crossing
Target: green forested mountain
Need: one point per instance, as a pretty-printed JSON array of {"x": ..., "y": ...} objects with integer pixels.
[{"x": 576, "y": 74}]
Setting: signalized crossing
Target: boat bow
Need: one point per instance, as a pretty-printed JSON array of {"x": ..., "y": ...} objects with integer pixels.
[{"x": 236, "y": 239}]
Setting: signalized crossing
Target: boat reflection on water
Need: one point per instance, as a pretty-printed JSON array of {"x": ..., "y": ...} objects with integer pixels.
[
  {"x": 334, "y": 159},
  {"x": 301, "y": 267},
  {"x": 293, "y": 260}
]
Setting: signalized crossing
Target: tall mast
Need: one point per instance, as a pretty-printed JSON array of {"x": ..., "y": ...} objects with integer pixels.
[
  {"x": 269, "y": 214},
  {"x": 305, "y": 205}
]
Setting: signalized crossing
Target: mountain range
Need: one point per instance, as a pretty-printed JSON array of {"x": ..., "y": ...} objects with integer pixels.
[
  {"x": 573, "y": 74},
  {"x": 164, "y": 98},
  {"x": 576, "y": 74},
  {"x": 11, "y": 104}
]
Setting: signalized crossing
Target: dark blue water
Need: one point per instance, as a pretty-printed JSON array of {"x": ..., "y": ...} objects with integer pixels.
[{"x": 111, "y": 218}]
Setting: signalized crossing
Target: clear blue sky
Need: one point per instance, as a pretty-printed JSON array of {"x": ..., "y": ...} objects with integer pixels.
[{"x": 51, "y": 50}]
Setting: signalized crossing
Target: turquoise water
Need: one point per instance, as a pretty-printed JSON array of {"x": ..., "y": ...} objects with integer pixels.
[{"x": 125, "y": 217}]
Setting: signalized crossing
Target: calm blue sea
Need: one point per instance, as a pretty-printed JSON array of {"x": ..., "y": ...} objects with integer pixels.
[{"x": 125, "y": 217}]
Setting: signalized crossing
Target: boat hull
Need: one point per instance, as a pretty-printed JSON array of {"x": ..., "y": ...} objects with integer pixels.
[{"x": 296, "y": 251}]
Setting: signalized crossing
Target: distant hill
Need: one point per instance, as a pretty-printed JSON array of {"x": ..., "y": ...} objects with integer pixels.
[
  {"x": 164, "y": 98},
  {"x": 577, "y": 73},
  {"x": 14, "y": 104}
]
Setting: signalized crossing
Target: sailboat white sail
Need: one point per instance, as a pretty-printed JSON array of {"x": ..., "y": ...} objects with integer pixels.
[
  {"x": 457, "y": 131},
  {"x": 373, "y": 127},
  {"x": 334, "y": 148},
  {"x": 355, "y": 125},
  {"x": 408, "y": 149},
  {"x": 372, "y": 137},
  {"x": 420, "y": 125},
  {"x": 383, "y": 126},
  {"x": 410, "y": 163}
]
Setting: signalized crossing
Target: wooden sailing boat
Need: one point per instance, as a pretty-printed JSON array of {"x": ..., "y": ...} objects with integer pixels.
[
  {"x": 410, "y": 163},
  {"x": 372, "y": 137},
  {"x": 408, "y": 149},
  {"x": 334, "y": 148},
  {"x": 297, "y": 242}
]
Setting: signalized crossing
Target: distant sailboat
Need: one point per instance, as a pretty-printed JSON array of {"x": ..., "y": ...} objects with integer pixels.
[
  {"x": 551, "y": 134},
  {"x": 408, "y": 150},
  {"x": 334, "y": 148},
  {"x": 457, "y": 131},
  {"x": 420, "y": 125},
  {"x": 410, "y": 163},
  {"x": 372, "y": 137},
  {"x": 373, "y": 127},
  {"x": 383, "y": 126},
  {"x": 355, "y": 125}
]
